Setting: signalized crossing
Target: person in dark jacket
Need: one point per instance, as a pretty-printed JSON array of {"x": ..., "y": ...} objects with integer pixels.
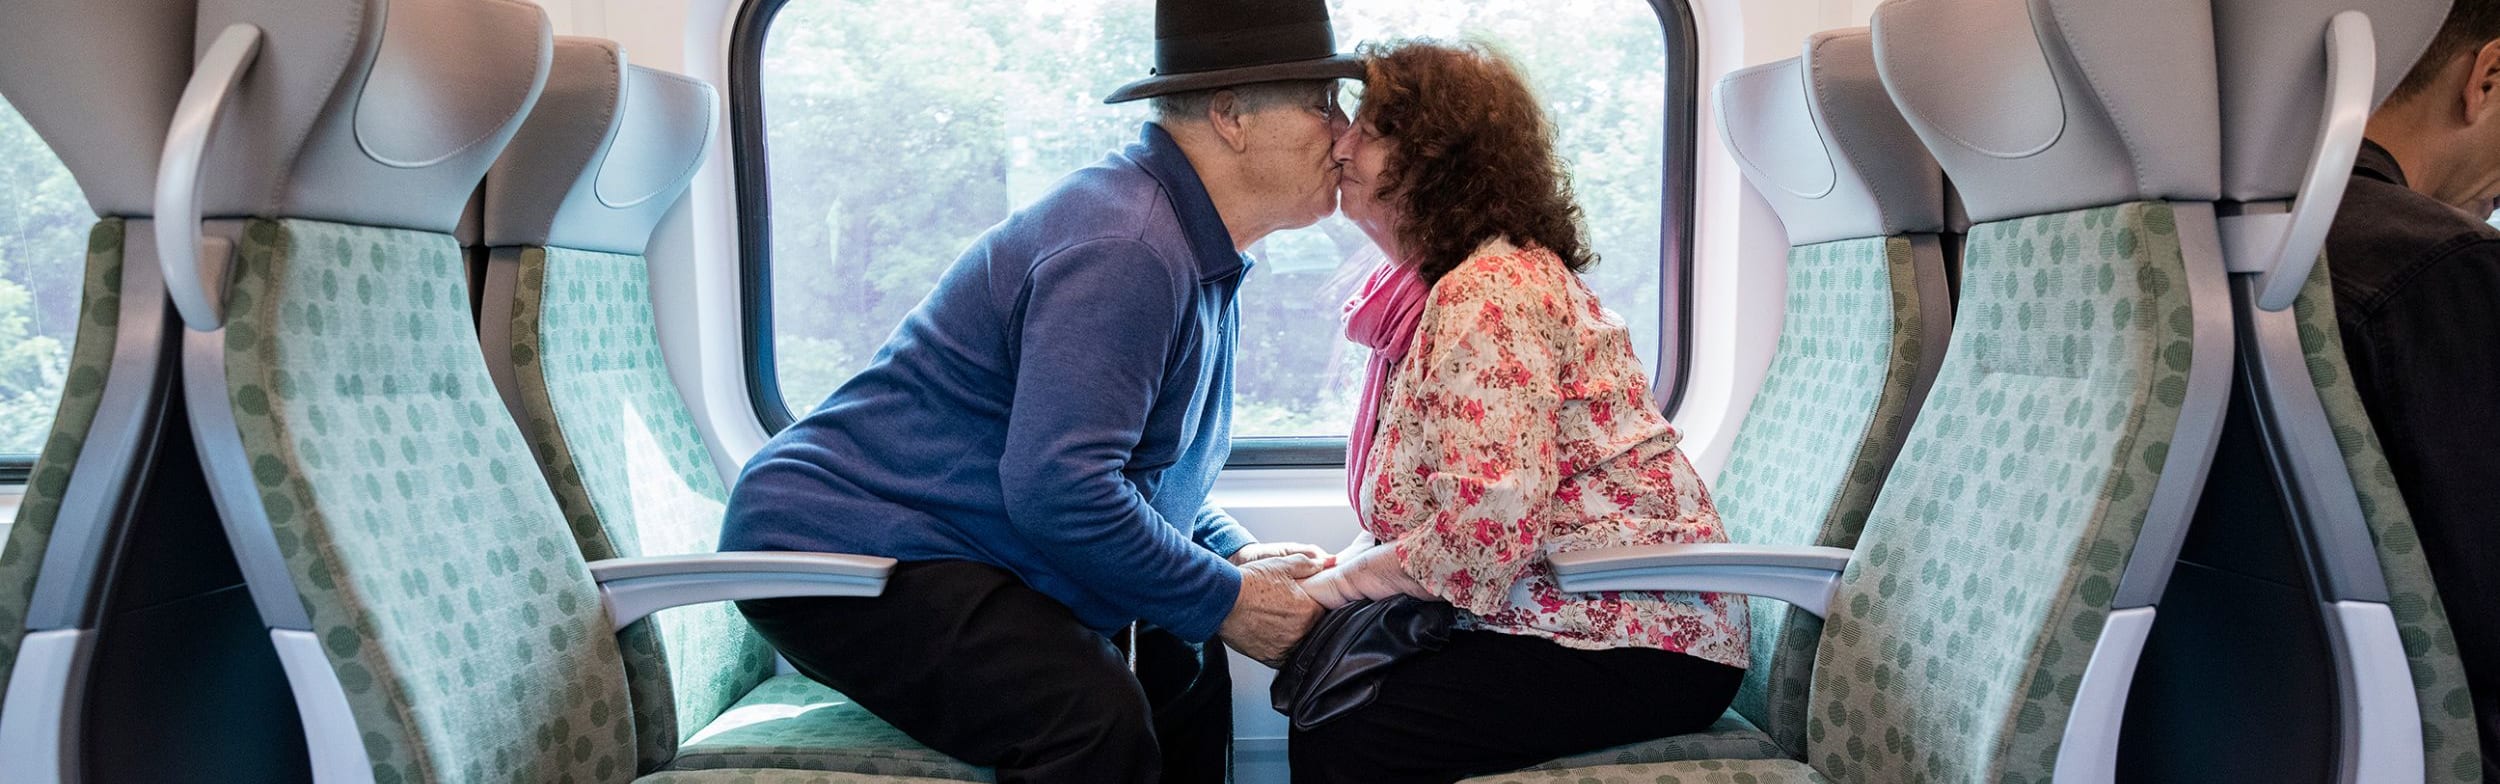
[
  {"x": 1036, "y": 442},
  {"x": 2417, "y": 293}
]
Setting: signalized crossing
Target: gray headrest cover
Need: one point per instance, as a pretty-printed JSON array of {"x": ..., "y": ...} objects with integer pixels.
[
  {"x": 98, "y": 80},
  {"x": 372, "y": 112},
  {"x": 2273, "y": 61},
  {"x": 2044, "y": 106},
  {"x": 610, "y": 147},
  {"x": 1819, "y": 138}
]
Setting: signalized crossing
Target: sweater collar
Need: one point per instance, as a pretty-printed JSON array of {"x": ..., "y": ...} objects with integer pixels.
[{"x": 1161, "y": 157}]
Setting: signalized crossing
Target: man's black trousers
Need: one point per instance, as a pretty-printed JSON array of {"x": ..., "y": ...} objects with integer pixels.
[{"x": 967, "y": 659}]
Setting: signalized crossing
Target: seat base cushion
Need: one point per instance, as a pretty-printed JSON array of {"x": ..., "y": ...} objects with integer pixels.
[
  {"x": 791, "y": 722},
  {"x": 1731, "y": 737},
  {"x": 1778, "y": 771}
]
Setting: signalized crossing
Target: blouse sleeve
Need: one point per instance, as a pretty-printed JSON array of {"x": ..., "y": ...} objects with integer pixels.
[{"x": 1487, "y": 409}]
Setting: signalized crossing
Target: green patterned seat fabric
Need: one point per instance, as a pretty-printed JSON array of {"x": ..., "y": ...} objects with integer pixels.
[
  {"x": 772, "y": 776},
  {"x": 632, "y": 475},
  {"x": 1770, "y": 771},
  {"x": 469, "y": 638},
  {"x": 1731, "y": 737},
  {"x": 91, "y": 355},
  {"x": 1815, "y": 445},
  {"x": 2450, "y": 749},
  {"x": 1960, "y": 633},
  {"x": 794, "y": 722}
]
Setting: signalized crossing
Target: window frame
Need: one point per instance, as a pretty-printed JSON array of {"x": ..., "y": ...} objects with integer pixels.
[{"x": 750, "y": 166}]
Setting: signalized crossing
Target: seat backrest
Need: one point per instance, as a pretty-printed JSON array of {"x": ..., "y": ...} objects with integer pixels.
[
  {"x": 1864, "y": 333},
  {"x": 2363, "y": 554},
  {"x": 97, "y": 80},
  {"x": 417, "y": 576},
  {"x": 569, "y": 331},
  {"x": 1988, "y": 626}
]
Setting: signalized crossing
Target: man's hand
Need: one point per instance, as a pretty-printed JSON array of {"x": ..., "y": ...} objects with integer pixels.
[
  {"x": 1272, "y": 612},
  {"x": 1265, "y": 550},
  {"x": 1374, "y": 573}
]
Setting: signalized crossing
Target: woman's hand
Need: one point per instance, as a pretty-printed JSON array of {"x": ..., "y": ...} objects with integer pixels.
[
  {"x": 1264, "y": 550},
  {"x": 1362, "y": 541},
  {"x": 1374, "y": 573}
]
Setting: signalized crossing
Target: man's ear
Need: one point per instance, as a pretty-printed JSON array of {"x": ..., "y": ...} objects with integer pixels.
[
  {"x": 2482, "y": 84},
  {"x": 1224, "y": 112}
]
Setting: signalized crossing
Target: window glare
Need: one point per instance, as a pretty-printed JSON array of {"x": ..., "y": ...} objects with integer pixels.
[
  {"x": 43, "y": 244},
  {"x": 898, "y": 130}
]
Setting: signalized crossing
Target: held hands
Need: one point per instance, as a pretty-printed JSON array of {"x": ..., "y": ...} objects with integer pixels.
[
  {"x": 1272, "y": 613},
  {"x": 1372, "y": 573}
]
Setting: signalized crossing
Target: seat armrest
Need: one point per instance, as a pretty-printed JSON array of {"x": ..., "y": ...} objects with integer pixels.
[
  {"x": 1803, "y": 576},
  {"x": 633, "y": 588}
]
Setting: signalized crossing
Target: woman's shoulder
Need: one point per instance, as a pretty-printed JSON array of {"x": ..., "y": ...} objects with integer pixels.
[{"x": 1499, "y": 268}]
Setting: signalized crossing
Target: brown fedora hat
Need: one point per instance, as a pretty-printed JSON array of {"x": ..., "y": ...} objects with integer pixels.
[{"x": 1206, "y": 44}]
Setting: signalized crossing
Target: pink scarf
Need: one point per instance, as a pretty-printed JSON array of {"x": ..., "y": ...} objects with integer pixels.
[{"x": 1383, "y": 316}]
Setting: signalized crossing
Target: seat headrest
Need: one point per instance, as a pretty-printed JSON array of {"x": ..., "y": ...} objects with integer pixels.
[
  {"x": 2043, "y": 106},
  {"x": 1819, "y": 138},
  {"x": 610, "y": 147},
  {"x": 373, "y": 112},
  {"x": 2273, "y": 63},
  {"x": 98, "y": 80}
]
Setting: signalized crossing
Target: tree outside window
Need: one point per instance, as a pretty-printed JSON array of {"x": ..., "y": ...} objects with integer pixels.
[
  {"x": 897, "y": 131},
  {"x": 43, "y": 245}
]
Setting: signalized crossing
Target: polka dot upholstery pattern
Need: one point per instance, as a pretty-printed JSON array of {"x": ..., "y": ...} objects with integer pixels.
[
  {"x": 632, "y": 475},
  {"x": 794, "y": 722},
  {"x": 1771, "y": 771},
  {"x": 1731, "y": 737},
  {"x": 91, "y": 355},
  {"x": 1816, "y": 443},
  {"x": 435, "y": 566},
  {"x": 1961, "y": 631},
  {"x": 2450, "y": 748}
]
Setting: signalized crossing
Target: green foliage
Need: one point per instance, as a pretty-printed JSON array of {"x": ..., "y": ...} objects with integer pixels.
[
  {"x": 899, "y": 130},
  {"x": 43, "y": 223}
]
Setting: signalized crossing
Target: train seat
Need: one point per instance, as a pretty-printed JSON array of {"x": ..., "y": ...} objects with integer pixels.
[
  {"x": 2308, "y": 506},
  {"x": 416, "y": 574},
  {"x": 1866, "y": 324},
  {"x": 82, "y": 491},
  {"x": 1986, "y": 626},
  {"x": 1864, "y": 333},
  {"x": 569, "y": 333},
  {"x": 2347, "y": 498}
]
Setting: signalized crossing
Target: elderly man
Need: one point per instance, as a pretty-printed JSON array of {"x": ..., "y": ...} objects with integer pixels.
[
  {"x": 1036, "y": 442},
  {"x": 2417, "y": 273}
]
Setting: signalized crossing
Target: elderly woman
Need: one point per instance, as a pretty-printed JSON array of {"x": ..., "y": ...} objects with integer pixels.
[{"x": 1505, "y": 419}]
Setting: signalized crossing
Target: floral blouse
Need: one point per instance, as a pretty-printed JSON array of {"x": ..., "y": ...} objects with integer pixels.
[{"x": 1520, "y": 425}]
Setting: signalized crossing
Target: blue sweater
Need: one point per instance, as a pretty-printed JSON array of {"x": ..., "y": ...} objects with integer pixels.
[{"x": 1058, "y": 407}]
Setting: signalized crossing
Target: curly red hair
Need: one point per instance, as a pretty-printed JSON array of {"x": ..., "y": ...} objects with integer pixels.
[{"x": 1473, "y": 157}]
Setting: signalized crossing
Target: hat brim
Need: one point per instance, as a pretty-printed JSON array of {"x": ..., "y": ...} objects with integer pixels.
[{"x": 1344, "y": 66}]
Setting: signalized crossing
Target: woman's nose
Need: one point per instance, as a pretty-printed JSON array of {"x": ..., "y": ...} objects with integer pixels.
[{"x": 1342, "y": 150}]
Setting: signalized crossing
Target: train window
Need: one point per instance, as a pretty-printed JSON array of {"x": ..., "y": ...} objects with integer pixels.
[
  {"x": 878, "y": 138},
  {"x": 43, "y": 243}
]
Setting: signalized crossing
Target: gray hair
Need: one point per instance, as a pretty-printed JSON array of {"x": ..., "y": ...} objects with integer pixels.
[{"x": 1258, "y": 97}]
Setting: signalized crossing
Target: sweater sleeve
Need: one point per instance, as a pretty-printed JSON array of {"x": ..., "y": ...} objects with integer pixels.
[
  {"x": 1098, "y": 326},
  {"x": 1485, "y": 416},
  {"x": 1216, "y": 530}
]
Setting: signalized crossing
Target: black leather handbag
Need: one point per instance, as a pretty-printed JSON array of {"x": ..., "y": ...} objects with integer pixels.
[{"x": 1338, "y": 666}]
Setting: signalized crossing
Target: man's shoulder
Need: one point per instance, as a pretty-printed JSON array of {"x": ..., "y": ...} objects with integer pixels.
[
  {"x": 2386, "y": 235},
  {"x": 1110, "y": 200}
]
